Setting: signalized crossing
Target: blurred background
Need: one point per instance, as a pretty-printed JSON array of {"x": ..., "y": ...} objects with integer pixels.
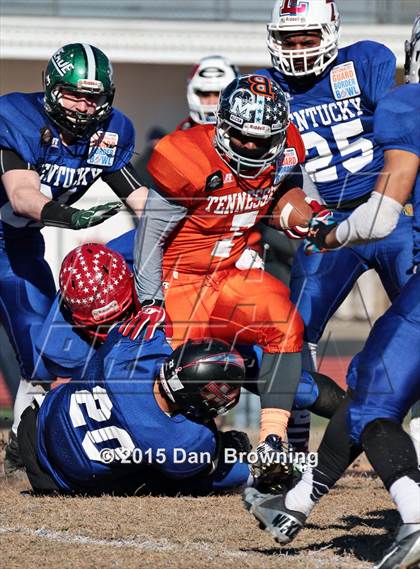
[{"x": 152, "y": 44}]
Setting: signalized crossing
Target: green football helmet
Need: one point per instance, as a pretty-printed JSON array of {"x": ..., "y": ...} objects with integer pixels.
[{"x": 81, "y": 68}]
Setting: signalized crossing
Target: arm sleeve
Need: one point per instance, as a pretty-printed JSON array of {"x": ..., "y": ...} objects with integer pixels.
[
  {"x": 159, "y": 219},
  {"x": 10, "y": 160},
  {"x": 123, "y": 182}
]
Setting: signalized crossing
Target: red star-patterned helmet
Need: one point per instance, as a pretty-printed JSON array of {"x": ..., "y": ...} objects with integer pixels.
[{"x": 97, "y": 287}]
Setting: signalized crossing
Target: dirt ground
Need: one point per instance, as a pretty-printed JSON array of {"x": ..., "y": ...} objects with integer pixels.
[{"x": 349, "y": 530}]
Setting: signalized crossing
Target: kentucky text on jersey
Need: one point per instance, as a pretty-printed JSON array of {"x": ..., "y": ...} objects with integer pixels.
[
  {"x": 65, "y": 177},
  {"x": 327, "y": 114}
]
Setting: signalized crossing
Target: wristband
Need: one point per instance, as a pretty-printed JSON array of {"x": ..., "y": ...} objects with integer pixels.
[{"x": 55, "y": 214}]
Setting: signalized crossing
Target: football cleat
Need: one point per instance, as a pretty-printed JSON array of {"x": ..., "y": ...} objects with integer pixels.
[
  {"x": 274, "y": 517},
  {"x": 14, "y": 468},
  {"x": 404, "y": 553}
]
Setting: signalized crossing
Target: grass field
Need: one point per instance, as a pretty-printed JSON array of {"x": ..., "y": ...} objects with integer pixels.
[{"x": 349, "y": 530}]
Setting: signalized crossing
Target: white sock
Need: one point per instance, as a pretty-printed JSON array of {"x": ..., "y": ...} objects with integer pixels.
[
  {"x": 406, "y": 494},
  {"x": 24, "y": 398},
  {"x": 299, "y": 497}
]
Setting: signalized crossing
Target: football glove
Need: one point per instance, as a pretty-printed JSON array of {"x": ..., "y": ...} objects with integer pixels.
[
  {"x": 55, "y": 214},
  {"x": 273, "y": 469},
  {"x": 83, "y": 218},
  {"x": 318, "y": 231},
  {"x": 151, "y": 317}
]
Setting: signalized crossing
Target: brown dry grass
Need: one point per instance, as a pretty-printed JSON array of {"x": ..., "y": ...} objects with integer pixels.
[{"x": 347, "y": 531}]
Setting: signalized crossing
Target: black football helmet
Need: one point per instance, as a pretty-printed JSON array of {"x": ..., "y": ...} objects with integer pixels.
[
  {"x": 204, "y": 377},
  {"x": 252, "y": 108}
]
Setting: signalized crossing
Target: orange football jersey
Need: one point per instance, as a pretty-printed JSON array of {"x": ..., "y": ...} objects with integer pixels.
[{"x": 222, "y": 209}]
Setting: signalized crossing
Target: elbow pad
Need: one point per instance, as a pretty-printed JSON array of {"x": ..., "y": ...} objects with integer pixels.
[{"x": 375, "y": 219}]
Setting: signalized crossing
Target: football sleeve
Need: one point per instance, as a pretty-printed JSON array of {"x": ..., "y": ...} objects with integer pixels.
[
  {"x": 397, "y": 122},
  {"x": 159, "y": 219},
  {"x": 10, "y": 160},
  {"x": 123, "y": 182},
  {"x": 378, "y": 68}
]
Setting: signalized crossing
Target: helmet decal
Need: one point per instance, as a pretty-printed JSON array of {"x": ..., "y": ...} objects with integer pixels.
[
  {"x": 293, "y": 7},
  {"x": 62, "y": 66}
]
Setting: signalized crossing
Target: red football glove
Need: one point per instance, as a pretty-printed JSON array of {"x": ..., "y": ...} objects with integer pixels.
[{"x": 151, "y": 317}]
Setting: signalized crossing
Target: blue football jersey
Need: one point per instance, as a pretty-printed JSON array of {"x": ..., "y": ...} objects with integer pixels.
[
  {"x": 113, "y": 407},
  {"x": 335, "y": 118},
  {"x": 66, "y": 172},
  {"x": 397, "y": 126}
]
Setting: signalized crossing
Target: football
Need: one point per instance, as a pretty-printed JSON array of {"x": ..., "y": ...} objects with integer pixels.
[{"x": 291, "y": 210}]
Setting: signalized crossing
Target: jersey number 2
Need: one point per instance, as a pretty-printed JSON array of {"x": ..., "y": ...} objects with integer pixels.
[{"x": 98, "y": 406}]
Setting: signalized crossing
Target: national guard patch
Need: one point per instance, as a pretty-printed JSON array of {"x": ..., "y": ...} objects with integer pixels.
[
  {"x": 102, "y": 148},
  {"x": 344, "y": 81}
]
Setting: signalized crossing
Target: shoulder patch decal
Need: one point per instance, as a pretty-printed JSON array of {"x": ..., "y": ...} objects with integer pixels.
[{"x": 344, "y": 83}]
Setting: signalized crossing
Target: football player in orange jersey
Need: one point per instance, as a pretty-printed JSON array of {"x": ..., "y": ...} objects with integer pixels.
[{"x": 213, "y": 184}]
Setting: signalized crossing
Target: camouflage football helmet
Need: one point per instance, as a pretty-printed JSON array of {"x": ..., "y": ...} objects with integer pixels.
[
  {"x": 253, "y": 109},
  {"x": 81, "y": 68}
]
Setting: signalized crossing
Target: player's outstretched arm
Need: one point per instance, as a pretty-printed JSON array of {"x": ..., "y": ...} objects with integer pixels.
[
  {"x": 128, "y": 186},
  {"x": 22, "y": 185},
  {"x": 378, "y": 217}
]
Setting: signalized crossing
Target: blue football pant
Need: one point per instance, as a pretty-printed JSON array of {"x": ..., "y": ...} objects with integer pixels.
[
  {"x": 385, "y": 375},
  {"x": 27, "y": 291}
]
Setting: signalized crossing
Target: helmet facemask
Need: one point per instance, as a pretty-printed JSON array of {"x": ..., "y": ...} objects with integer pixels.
[
  {"x": 84, "y": 70},
  {"x": 248, "y": 163},
  {"x": 412, "y": 55},
  {"x": 318, "y": 17},
  {"x": 203, "y": 378},
  {"x": 76, "y": 123},
  {"x": 303, "y": 62}
]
